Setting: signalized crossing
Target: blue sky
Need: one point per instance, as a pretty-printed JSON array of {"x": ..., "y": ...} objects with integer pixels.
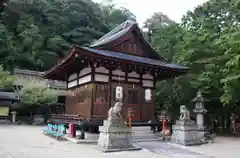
[{"x": 143, "y": 9}]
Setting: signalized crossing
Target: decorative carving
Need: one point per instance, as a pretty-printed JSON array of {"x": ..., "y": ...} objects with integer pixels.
[
  {"x": 114, "y": 134},
  {"x": 184, "y": 113},
  {"x": 115, "y": 111}
]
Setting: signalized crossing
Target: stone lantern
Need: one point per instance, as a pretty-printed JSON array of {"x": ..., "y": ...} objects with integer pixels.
[
  {"x": 200, "y": 111},
  {"x": 14, "y": 113}
]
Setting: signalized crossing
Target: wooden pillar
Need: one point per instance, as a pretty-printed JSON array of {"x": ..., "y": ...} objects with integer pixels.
[
  {"x": 141, "y": 103},
  {"x": 78, "y": 76},
  {"x": 93, "y": 72},
  {"x": 126, "y": 74},
  {"x": 154, "y": 92},
  {"x": 67, "y": 76},
  {"x": 141, "y": 79},
  {"x": 110, "y": 89},
  {"x": 92, "y": 90}
]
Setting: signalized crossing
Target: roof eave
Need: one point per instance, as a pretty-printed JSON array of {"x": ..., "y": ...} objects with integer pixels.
[
  {"x": 179, "y": 73},
  {"x": 48, "y": 74}
]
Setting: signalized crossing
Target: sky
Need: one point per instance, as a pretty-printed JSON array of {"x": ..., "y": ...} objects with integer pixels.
[{"x": 143, "y": 9}]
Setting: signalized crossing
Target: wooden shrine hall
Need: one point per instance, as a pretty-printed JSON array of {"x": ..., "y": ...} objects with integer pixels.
[{"x": 120, "y": 66}]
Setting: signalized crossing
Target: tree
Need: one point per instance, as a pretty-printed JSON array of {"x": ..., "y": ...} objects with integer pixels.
[
  {"x": 157, "y": 20},
  {"x": 39, "y": 33},
  {"x": 113, "y": 17},
  {"x": 207, "y": 40},
  {"x": 37, "y": 94},
  {"x": 6, "y": 80}
]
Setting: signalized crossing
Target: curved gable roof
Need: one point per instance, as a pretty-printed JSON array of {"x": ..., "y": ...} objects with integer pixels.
[{"x": 121, "y": 30}]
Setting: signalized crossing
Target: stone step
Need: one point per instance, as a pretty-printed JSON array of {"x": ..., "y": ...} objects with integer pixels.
[
  {"x": 135, "y": 138},
  {"x": 141, "y": 128},
  {"x": 139, "y": 134},
  {"x": 147, "y": 138}
]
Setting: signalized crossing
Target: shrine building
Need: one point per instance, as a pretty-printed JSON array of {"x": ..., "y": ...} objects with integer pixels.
[{"x": 120, "y": 66}]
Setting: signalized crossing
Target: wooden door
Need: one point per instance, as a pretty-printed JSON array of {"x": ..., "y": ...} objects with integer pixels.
[{"x": 133, "y": 102}]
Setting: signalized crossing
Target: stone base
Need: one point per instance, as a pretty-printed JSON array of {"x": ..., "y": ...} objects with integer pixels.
[
  {"x": 114, "y": 137},
  {"x": 201, "y": 132},
  {"x": 133, "y": 148},
  {"x": 79, "y": 141},
  {"x": 185, "y": 132}
]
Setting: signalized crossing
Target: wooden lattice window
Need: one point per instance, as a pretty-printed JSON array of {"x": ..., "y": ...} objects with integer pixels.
[
  {"x": 132, "y": 97},
  {"x": 101, "y": 93}
]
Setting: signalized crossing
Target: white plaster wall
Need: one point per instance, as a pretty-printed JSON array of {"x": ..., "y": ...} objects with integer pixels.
[
  {"x": 85, "y": 71},
  {"x": 101, "y": 78},
  {"x": 118, "y": 72},
  {"x": 102, "y": 70},
  {"x": 147, "y": 83},
  {"x": 133, "y": 74},
  {"x": 133, "y": 80},
  {"x": 72, "y": 84},
  {"x": 84, "y": 79},
  {"x": 72, "y": 76},
  {"x": 148, "y": 76},
  {"x": 118, "y": 78}
]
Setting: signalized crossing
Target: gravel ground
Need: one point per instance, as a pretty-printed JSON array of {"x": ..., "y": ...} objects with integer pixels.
[
  {"x": 223, "y": 147},
  {"x": 29, "y": 142}
]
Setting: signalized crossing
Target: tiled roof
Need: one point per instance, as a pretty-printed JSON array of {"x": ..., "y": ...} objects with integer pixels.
[
  {"x": 120, "y": 31},
  {"x": 115, "y": 33},
  {"x": 27, "y": 72},
  {"x": 9, "y": 96},
  {"x": 134, "y": 58},
  {"x": 32, "y": 73}
]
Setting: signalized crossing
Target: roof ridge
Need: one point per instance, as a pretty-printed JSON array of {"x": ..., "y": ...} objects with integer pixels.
[{"x": 126, "y": 24}]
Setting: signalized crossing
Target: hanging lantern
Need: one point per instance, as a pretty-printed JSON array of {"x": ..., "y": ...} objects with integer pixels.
[
  {"x": 148, "y": 95},
  {"x": 119, "y": 93}
]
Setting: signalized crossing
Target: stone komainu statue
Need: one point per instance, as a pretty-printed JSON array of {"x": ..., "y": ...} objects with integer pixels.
[
  {"x": 184, "y": 113},
  {"x": 115, "y": 111}
]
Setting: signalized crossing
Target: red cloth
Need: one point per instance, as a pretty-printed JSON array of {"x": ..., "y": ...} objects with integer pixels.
[{"x": 72, "y": 129}]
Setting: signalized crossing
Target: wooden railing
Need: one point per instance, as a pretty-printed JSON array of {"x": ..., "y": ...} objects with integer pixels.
[{"x": 69, "y": 117}]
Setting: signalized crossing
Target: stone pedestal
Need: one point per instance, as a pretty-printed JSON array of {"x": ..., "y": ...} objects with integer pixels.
[
  {"x": 185, "y": 132},
  {"x": 114, "y": 136}
]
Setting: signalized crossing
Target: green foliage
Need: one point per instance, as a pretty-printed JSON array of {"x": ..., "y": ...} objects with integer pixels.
[
  {"x": 37, "y": 34},
  {"x": 37, "y": 94},
  {"x": 6, "y": 79},
  {"x": 208, "y": 41},
  {"x": 113, "y": 17}
]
